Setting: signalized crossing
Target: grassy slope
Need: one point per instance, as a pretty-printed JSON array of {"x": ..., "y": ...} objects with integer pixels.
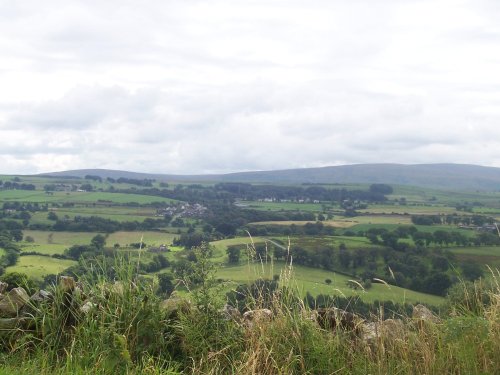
[
  {"x": 38, "y": 266},
  {"x": 313, "y": 280}
]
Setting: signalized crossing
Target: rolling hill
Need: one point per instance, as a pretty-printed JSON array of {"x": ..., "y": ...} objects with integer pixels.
[{"x": 443, "y": 176}]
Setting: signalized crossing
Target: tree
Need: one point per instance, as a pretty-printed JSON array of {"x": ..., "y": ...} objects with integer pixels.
[
  {"x": 472, "y": 271},
  {"x": 437, "y": 283},
  {"x": 233, "y": 254},
  {"x": 359, "y": 258},
  {"x": 344, "y": 258},
  {"x": 52, "y": 216},
  {"x": 261, "y": 252},
  {"x": 381, "y": 188},
  {"x": 10, "y": 258},
  {"x": 165, "y": 284},
  {"x": 226, "y": 229},
  {"x": 17, "y": 234},
  {"x": 279, "y": 253},
  {"x": 98, "y": 241},
  {"x": 87, "y": 187},
  {"x": 76, "y": 251},
  {"x": 183, "y": 269},
  {"x": 440, "y": 263}
]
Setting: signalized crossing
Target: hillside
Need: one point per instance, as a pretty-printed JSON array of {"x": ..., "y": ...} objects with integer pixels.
[{"x": 442, "y": 176}]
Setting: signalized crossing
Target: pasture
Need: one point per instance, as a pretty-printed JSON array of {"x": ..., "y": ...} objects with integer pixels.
[
  {"x": 116, "y": 213},
  {"x": 37, "y": 266},
  {"x": 313, "y": 280},
  {"x": 282, "y": 206},
  {"x": 485, "y": 255},
  {"x": 330, "y": 223},
  {"x": 78, "y": 197},
  {"x": 66, "y": 239},
  {"x": 389, "y": 209}
]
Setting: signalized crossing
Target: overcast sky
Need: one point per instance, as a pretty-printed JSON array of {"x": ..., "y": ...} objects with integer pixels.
[{"x": 220, "y": 86}]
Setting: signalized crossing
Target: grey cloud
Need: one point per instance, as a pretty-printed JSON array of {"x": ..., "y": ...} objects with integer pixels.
[{"x": 191, "y": 86}]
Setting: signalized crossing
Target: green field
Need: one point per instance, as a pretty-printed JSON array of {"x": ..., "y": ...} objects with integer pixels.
[
  {"x": 282, "y": 206},
  {"x": 313, "y": 280},
  {"x": 78, "y": 197},
  {"x": 117, "y": 213},
  {"x": 221, "y": 246},
  {"x": 486, "y": 255},
  {"x": 38, "y": 266},
  {"x": 339, "y": 222},
  {"x": 481, "y": 250},
  {"x": 150, "y": 238},
  {"x": 408, "y": 209},
  {"x": 57, "y": 240}
]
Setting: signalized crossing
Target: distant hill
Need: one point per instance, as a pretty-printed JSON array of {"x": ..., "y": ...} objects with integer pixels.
[{"x": 443, "y": 176}]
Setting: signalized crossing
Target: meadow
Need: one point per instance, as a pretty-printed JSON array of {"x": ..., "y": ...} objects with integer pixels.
[
  {"x": 312, "y": 280},
  {"x": 37, "y": 266},
  {"x": 78, "y": 197}
]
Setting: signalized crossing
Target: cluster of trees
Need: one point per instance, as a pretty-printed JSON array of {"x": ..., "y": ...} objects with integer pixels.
[
  {"x": 21, "y": 211},
  {"x": 12, "y": 228},
  {"x": 261, "y": 253},
  {"x": 96, "y": 247},
  {"x": 147, "y": 182},
  {"x": 99, "y": 224},
  {"x": 294, "y": 193},
  {"x": 25, "y": 206},
  {"x": 158, "y": 263},
  {"x": 189, "y": 240},
  {"x": 382, "y": 236},
  {"x": 10, "y": 185},
  {"x": 93, "y": 178},
  {"x": 10, "y": 248},
  {"x": 477, "y": 220}
]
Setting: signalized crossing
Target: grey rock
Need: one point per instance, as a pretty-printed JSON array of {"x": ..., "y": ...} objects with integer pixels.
[
  {"x": 3, "y": 287},
  {"x": 230, "y": 313},
  {"x": 41, "y": 296},
  {"x": 389, "y": 329},
  {"x": 87, "y": 307},
  {"x": 332, "y": 318},
  {"x": 257, "y": 317},
  {"x": 67, "y": 283},
  {"x": 422, "y": 313},
  {"x": 13, "y": 302},
  {"x": 13, "y": 323},
  {"x": 175, "y": 306}
]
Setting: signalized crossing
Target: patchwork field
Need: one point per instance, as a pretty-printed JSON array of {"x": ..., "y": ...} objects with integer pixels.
[{"x": 396, "y": 211}]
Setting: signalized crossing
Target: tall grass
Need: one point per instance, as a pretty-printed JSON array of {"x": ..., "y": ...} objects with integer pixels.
[{"x": 127, "y": 331}]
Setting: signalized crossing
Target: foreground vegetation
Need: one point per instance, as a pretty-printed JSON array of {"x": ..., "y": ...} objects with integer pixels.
[{"x": 128, "y": 329}]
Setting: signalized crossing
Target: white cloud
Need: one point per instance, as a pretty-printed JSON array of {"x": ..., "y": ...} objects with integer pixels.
[{"x": 191, "y": 86}]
